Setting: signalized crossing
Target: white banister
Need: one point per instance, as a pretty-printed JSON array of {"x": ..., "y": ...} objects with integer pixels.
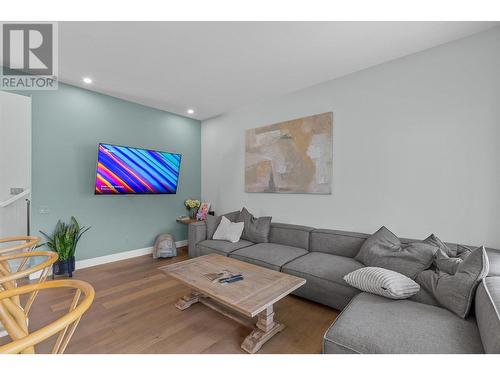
[{"x": 11, "y": 200}]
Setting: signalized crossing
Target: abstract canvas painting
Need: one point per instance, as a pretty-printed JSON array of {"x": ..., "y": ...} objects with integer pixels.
[{"x": 291, "y": 157}]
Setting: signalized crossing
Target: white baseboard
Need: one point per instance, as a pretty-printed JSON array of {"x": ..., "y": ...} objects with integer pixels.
[{"x": 85, "y": 263}]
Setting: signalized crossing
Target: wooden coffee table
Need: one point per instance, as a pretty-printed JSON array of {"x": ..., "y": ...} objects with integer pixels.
[{"x": 241, "y": 300}]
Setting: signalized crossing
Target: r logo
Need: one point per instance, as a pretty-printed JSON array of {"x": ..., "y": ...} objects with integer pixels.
[{"x": 28, "y": 49}]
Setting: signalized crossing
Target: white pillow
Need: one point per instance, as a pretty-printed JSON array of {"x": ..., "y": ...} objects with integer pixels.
[
  {"x": 228, "y": 231},
  {"x": 383, "y": 282}
]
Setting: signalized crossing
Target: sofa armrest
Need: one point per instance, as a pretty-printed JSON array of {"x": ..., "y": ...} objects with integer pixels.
[{"x": 197, "y": 232}]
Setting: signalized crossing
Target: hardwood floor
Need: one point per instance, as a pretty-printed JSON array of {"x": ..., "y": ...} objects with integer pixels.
[{"x": 134, "y": 312}]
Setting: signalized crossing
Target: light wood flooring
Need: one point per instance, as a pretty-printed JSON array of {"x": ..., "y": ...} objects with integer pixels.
[{"x": 134, "y": 313}]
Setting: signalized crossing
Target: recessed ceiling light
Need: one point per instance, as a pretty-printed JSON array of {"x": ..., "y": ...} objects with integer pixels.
[
  {"x": 190, "y": 111},
  {"x": 87, "y": 80}
]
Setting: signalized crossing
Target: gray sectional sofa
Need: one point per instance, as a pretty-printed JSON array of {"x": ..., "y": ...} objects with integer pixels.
[{"x": 368, "y": 323}]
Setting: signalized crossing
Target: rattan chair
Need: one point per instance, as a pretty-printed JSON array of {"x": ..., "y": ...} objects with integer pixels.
[
  {"x": 28, "y": 243},
  {"x": 18, "y": 244},
  {"x": 24, "y": 341},
  {"x": 9, "y": 279}
]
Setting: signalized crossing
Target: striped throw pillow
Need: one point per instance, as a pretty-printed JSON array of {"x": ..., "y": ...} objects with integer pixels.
[{"x": 383, "y": 282}]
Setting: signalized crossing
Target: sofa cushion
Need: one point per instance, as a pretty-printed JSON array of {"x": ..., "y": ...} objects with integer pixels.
[
  {"x": 325, "y": 266},
  {"x": 384, "y": 249},
  {"x": 325, "y": 292},
  {"x": 212, "y": 223},
  {"x": 423, "y": 296},
  {"x": 337, "y": 242},
  {"x": 494, "y": 260},
  {"x": 456, "y": 292},
  {"x": 220, "y": 247},
  {"x": 269, "y": 255},
  {"x": 487, "y": 304},
  {"x": 372, "y": 324},
  {"x": 324, "y": 274},
  {"x": 255, "y": 229},
  {"x": 290, "y": 235},
  {"x": 387, "y": 283}
]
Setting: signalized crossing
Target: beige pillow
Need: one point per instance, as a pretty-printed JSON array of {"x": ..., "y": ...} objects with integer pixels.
[
  {"x": 383, "y": 282},
  {"x": 228, "y": 231}
]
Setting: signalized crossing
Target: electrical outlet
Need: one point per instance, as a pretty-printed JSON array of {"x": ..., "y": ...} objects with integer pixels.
[
  {"x": 16, "y": 191},
  {"x": 44, "y": 210}
]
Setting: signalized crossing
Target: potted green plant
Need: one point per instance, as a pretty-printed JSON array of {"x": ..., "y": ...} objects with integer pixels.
[{"x": 63, "y": 241}]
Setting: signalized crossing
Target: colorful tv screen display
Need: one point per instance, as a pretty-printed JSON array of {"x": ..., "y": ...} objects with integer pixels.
[{"x": 129, "y": 170}]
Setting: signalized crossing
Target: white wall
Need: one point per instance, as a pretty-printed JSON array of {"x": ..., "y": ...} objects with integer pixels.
[
  {"x": 416, "y": 147},
  {"x": 15, "y": 159}
]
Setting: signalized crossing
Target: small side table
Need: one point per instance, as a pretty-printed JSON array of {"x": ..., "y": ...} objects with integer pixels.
[{"x": 187, "y": 221}]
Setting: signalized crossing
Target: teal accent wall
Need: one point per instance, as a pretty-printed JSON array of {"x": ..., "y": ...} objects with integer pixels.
[{"x": 67, "y": 124}]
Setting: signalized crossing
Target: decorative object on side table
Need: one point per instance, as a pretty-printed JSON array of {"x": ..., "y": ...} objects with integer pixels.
[
  {"x": 192, "y": 205},
  {"x": 203, "y": 211},
  {"x": 63, "y": 241},
  {"x": 164, "y": 246}
]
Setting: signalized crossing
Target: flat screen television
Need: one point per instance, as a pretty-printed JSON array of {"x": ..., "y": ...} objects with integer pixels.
[{"x": 130, "y": 170}]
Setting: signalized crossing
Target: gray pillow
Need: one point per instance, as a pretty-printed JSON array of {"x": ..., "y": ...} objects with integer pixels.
[
  {"x": 463, "y": 252},
  {"x": 456, "y": 292},
  {"x": 423, "y": 296},
  {"x": 232, "y": 216},
  {"x": 384, "y": 249},
  {"x": 445, "y": 263},
  {"x": 255, "y": 230},
  {"x": 449, "y": 264},
  {"x": 383, "y": 282},
  {"x": 213, "y": 222},
  {"x": 435, "y": 241}
]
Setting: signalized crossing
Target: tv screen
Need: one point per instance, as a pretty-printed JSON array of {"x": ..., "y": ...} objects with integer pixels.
[{"x": 129, "y": 170}]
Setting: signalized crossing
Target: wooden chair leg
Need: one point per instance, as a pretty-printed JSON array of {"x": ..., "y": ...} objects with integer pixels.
[
  {"x": 60, "y": 338},
  {"x": 12, "y": 327}
]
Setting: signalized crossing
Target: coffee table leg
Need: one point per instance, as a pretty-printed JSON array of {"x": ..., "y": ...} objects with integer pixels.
[
  {"x": 188, "y": 300},
  {"x": 266, "y": 328}
]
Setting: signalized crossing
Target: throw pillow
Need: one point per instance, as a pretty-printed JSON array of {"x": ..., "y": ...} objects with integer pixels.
[
  {"x": 228, "y": 231},
  {"x": 213, "y": 222},
  {"x": 384, "y": 249},
  {"x": 255, "y": 229},
  {"x": 463, "y": 252},
  {"x": 456, "y": 292},
  {"x": 449, "y": 264},
  {"x": 423, "y": 296},
  {"x": 383, "y": 282},
  {"x": 445, "y": 263},
  {"x": 435, "y": 241}
]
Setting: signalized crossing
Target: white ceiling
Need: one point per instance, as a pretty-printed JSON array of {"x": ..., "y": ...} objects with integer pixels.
[{"x": 214, "y": 67}]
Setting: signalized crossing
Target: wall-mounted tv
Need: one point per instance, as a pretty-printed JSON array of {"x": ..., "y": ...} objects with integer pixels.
[{"x": 129, "y": 170}]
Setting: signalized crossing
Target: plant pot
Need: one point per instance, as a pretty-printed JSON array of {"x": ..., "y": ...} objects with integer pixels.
[{"x": 62, "y": 267}]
